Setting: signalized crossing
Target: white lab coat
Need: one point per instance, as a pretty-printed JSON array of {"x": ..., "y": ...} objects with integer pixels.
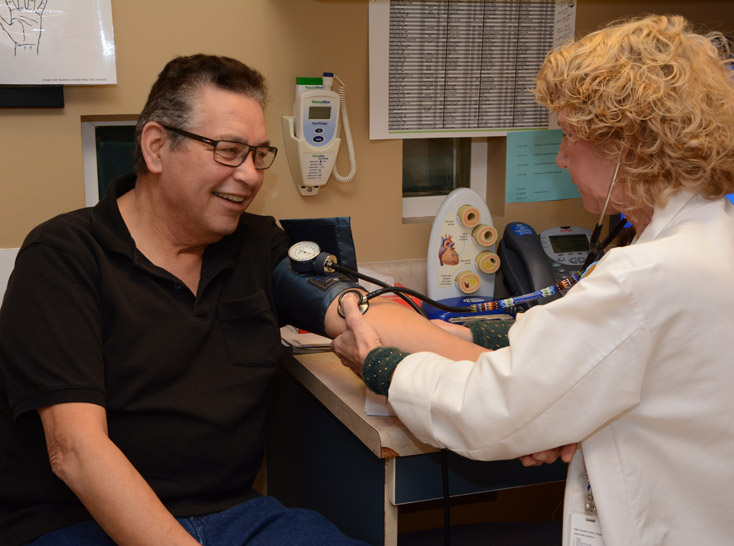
[{"x": 636, "y": 362}]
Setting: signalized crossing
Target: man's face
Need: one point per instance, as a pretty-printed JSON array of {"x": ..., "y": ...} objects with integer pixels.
[
  {"x": 205, "y": 197},
  {"x": 591, "y": 171}
]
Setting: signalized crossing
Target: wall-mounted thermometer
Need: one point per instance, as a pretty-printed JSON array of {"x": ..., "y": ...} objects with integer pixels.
[{"x": 316, "y": 115}]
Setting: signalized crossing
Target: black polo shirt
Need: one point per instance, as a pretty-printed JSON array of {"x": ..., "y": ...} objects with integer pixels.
[{"x": 185, "y": 379}]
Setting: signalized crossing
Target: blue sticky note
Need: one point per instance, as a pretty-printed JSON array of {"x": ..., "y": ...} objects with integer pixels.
[{"x": 531, "y": 170}]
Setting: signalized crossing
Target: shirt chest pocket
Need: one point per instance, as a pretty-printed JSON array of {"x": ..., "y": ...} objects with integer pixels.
[{"x": 250, "y": 330}]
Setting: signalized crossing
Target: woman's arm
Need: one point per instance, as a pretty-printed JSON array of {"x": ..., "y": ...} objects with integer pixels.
[{"x": 360, "y": 348}]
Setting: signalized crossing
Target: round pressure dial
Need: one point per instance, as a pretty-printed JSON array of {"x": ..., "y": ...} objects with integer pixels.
[{"x": 302, "y": 255}]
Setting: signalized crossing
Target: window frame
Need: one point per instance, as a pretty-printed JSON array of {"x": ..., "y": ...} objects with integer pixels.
[
  {"x": 414, "y": 208},
  {"x": 89, "y": 155}
]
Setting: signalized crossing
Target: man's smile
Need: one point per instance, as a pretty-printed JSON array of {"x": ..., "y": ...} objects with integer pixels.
[{"x": 230, "y": 197}]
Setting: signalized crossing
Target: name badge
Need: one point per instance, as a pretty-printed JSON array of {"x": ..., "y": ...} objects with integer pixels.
[{"x": 585, "y": 531}]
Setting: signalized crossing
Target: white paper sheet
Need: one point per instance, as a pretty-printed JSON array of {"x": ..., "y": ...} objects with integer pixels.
[
  {"x": 460, "y": 69},
  {"x": 57, "y": 42}
]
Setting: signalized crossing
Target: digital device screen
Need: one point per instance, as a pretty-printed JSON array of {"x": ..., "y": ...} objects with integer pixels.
[
  {"x": 319, "y": 112},
  {"x": 569, "y": 243}
]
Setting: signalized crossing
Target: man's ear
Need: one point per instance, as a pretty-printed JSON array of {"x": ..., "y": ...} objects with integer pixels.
[{"x": 152, "y": 141}]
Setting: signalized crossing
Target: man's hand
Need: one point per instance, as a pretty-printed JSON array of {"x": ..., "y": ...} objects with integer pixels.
[
  {"x": 550, "y": 456},
  {"x": 354, "y": 344}
]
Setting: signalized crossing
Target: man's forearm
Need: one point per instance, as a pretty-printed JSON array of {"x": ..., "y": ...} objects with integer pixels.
[
  {"x": 400, "y": 327},
  {"x": 404, "y": 329},
  {"x": 123, "y": 503},
  {"x": 108, "y": 485}
]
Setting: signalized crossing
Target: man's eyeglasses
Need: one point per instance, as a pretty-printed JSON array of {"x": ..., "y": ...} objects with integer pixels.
[{"x": 232, "y": 153}]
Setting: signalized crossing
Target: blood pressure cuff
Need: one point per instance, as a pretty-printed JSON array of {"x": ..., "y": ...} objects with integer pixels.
[
  {"x": 301, "y": 299},
  {"x": 333, "y": 235}
]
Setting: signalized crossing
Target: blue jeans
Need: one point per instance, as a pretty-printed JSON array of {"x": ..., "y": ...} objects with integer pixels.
[{"x": 259, "y": 522}]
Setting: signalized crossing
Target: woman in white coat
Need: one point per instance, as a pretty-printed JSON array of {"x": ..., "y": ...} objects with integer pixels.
[{"x": 636, "y": 362}]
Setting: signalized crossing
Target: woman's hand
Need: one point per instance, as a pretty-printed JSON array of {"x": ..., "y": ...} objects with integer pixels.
[
  {"x": 355, "y": 343},
  {"x": 550, "y": 456}
]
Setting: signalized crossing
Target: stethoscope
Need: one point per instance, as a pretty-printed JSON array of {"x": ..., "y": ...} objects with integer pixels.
[{"x": 307, "y": 257}]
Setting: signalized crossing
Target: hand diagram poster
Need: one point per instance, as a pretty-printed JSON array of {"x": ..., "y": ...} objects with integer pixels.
[{"x": 56, "y": 42}]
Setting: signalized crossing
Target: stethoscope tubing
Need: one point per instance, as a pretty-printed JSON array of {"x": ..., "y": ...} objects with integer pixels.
[{"x": 404, "y": 292}]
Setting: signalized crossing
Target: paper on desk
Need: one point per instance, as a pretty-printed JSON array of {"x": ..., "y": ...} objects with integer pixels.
[
  {"x": 299, "y": 341},
  {"x": 377, "y": 404}
]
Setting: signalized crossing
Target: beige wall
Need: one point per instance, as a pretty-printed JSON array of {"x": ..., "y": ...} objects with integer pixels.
[{"x": 40, "y": 150}]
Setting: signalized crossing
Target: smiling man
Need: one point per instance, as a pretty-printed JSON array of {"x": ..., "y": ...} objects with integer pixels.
[
  {"x": 193, "y": 193},
  {"x": 144, "y": 333}
]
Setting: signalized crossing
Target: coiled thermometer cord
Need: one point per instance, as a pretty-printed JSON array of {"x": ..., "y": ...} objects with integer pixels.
[{"x": 347, "y": 136}]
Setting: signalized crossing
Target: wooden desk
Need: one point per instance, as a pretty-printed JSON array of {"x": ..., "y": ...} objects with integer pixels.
[{"x": 326, "y": 454}]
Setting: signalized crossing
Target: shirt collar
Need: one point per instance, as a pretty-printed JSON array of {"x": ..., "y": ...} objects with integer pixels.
[
  {"x": 110, "y": 230},
  {"x": 108, "y": 226},
  {"x": 664, "y": 216}
]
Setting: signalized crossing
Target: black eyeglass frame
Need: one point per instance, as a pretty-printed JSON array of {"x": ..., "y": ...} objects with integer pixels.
[{"x": 213, "y": 143}]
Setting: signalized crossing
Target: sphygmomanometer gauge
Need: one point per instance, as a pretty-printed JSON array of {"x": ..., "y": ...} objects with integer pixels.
[{"x": 302, "y": 256}]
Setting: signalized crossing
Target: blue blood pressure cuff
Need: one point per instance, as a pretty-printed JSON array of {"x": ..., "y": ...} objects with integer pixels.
[
  {"x": 303, "y": 298},
  {"x": 333, "y": 235}
]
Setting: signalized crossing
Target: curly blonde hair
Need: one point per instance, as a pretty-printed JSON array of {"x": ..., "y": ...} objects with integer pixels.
[{"x": 654, "y": 92}]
